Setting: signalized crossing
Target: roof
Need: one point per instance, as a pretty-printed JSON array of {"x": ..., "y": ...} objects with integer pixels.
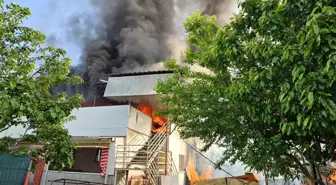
[{"x": 140, "y": 73}]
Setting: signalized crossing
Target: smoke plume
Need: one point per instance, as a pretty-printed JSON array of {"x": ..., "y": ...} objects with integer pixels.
[
  {"x": 222, "y": 9},
  {"x": 130, "y": 35},
  {"x": 133, "y": 35}
]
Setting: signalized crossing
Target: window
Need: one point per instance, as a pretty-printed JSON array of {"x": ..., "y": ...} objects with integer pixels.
[{"x": 181, "y": 163}]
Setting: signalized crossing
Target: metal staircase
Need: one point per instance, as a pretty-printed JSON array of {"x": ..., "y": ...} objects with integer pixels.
[{"x": 151, "y": 157}]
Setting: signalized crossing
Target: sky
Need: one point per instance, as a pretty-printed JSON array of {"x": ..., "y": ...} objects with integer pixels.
[{"x": 51, "y": 16}]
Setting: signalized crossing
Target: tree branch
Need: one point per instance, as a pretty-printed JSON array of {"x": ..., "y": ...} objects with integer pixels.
[
  {"x": 6, "y": 128},
  {"x": 299, "y": 164},
  {"x": 332, "y": 149},
  {"x": 17, "y": 142}
]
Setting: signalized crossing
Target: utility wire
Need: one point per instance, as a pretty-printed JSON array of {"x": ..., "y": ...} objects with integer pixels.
[{"x": 220, "y": 168}]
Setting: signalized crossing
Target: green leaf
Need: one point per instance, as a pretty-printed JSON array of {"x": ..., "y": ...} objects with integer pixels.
[
  {"x": 282, "y": 97},
  {"x": 327, "y": 67},
  {"x": 332, "y": 46},
  {"x": 299, "y": 119},
  {"x": 333, "y": 29},
  {"x": 310, "y": 99},
  {"x": 316, "y": 29},
  {"x": 268, "y": 75},
  {"x": 306, "y": 121},
  {"x": 283, "y": 128},
  {"x": 12, "y": 84}
]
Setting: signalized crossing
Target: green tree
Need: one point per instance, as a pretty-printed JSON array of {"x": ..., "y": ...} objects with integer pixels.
[
  {"x": 25, "y": 90},
  {"x": 270, "y": 99}
]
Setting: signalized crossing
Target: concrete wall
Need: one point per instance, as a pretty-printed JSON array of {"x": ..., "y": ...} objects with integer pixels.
[
  {"x": 168, "y": 180},
  {"x": 92, "y": 177},
  {"x": 178, "y": 147},
  {"x": 139, "y": 122}
]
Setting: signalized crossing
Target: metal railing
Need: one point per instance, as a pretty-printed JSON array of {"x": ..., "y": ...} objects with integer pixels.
[
  {"x": 172, "y": 167},
  {"x": 146, "y": 157},
  {"x": 146, "y": 152},
  {"x": 156, "y": 170}
]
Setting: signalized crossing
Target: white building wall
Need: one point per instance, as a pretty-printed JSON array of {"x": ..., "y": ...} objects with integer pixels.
[
  {"x": 139, "y": 122},
  {"x": 179, "y": 147},
  {"x": 105, "y": 121}
]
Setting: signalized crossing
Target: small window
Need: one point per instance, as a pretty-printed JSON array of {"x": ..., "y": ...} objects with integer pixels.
[{"x": 181, "y": 163}]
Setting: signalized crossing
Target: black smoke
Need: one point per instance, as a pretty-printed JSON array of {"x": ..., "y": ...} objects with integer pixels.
[
  {"x": 122, "y": 36},
  {"x": 126, "y": 36}
]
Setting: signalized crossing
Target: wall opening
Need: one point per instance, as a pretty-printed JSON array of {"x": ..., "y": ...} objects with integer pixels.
[{"x": 85, "y": 160}]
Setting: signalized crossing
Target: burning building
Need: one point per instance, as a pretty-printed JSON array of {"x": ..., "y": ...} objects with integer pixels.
[{"x": 120, "y": 138}]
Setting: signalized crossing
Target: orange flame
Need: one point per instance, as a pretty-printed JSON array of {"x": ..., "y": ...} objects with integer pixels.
[
  {"x": 194, "y": 177},
  {"x": 158, "y": 121},
  {"x": 332, "y": 175},
  {"x": 206, "y": 174}
]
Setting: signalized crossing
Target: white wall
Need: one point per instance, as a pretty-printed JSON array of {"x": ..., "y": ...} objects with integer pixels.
[
  {"x": 178, "y": 147},
  {"x": 103, "y": 121},
  {"x": 133, "y": 85},
  {"x": 139, "y": 122},
  {"x": 106, "y": 121}
]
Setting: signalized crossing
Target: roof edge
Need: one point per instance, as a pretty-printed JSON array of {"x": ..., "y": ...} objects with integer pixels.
[{"x": 140, "y": 73}]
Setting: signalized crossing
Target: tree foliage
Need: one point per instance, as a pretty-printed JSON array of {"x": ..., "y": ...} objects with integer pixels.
[
  {"x": 270, "y": 99},
  {"x": 25, "y": 90}
]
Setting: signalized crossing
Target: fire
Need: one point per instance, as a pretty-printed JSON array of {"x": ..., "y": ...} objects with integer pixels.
[
  {"x": 206, "y": 174},
  {"x": 158, "y": 121},
  {"x": 194, "y": 177},
  {"x": 332, "y": 175}
]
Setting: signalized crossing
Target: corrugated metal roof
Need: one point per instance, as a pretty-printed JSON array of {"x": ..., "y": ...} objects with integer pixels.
[
  {"x": 129, "y": 86},
  {"x": 140, "y": 73}
]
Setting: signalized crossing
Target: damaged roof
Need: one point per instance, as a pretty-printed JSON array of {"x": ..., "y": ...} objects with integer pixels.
[{"x": 140, "y": 73}]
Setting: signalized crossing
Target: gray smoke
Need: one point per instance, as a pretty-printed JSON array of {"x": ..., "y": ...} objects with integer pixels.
[
  {"x": 128, "y": 34},
  {"x": 222, "y": 9},
  {"x": 132, "y": 35}
]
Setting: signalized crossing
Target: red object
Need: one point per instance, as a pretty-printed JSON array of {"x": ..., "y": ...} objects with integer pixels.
[
  {"x": 39, "y": 171},
  {"x": 27, "y": 178},
  {"x": 103, "y": 161}
]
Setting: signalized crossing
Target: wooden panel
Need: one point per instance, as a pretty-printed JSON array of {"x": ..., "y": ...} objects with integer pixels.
[
  {"x": 221, "y": 181},
  {"x": 224, "y": 181}
]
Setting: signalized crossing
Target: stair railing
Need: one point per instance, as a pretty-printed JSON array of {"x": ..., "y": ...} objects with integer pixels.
[
  {"x": 129, "y": 154},
  {"x": 172, "y": 167},
  {"x": 154, "y": 148}
]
